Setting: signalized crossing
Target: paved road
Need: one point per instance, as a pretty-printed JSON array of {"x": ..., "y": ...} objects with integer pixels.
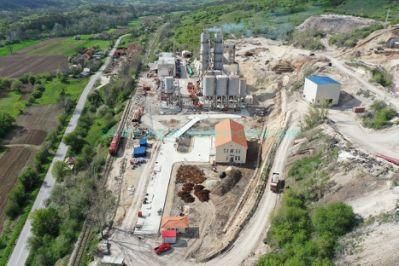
[
  {"x": 254, "y": 231},
  {"x": 21, "y": 252}
]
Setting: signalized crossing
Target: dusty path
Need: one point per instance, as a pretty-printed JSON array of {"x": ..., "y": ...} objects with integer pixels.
[
  {"x": 254, "y": 231},
  {"x": 21, "y": 251}
]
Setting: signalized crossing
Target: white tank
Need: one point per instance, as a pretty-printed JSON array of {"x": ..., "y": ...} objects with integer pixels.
[
  {"x": 234, "y": 83},
  {"x": 168, "y": 83},
  {"x": 221, "y": 85},
  {"x": 243, "y": 88},
  {"x": 204, "y": 37},
  {"x": 208, "y": 86}
]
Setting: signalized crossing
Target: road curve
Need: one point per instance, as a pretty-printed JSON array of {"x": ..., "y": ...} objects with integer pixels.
[
  {"x": 21, "y": 251},
  {"x": 254, "y": 231}
]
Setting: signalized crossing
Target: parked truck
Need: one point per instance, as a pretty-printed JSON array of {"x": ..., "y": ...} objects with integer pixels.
[{"x": 277, "y": 183}]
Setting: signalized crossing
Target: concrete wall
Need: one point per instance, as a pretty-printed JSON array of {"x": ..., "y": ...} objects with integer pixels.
[
  {"x": 318, "y": 93},
  {"x": 225, "y": 152}
]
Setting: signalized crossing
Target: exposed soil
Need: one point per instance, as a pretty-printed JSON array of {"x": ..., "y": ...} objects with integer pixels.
[
  {"x": 17, "y": 65},
  {"x": 331, "y": 23},
  {"x": 22, "y": 144},
  {"x": 11, "y": 164}
]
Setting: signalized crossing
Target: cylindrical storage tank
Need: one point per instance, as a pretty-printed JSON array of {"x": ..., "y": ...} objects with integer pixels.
[
  {"x": 168, "y": 83},
  {"x": 243, "y": 88},
  {"x": 234, "y": 83},
  {"x": 208, "y": 86},
  {"x": 249, "y": 99},
  {"x": 221, "y": 85}
]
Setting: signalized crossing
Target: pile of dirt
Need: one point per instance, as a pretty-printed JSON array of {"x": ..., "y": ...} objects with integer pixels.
[
  {"x": 190, "y": 174},
  {"x": 283, "y": 66},
  {"x": 186, "y": 196},
  {"x": 201, "y": 193},
  {"x": 228, "y": 182},
  {"x": 332, "y": 23}
]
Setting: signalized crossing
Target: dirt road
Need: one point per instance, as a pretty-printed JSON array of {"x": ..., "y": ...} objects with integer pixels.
[
  {"x": 21, "y": 251},
  {"x": 254, "y": 231}
]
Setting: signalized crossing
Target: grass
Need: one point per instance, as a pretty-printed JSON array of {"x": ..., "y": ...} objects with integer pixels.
[
  {"x": 5, "y": 50},
  {"x": 371, "y": 8},
  {"x": 66, "y": 46},
  {"x": 12, "y": 103},
  {"x": 73, "y": 88}
]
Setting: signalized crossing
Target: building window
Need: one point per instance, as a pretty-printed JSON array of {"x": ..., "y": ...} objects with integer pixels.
[
  {"x": 238, "y": 151},
  {"x": 227, "y": 158},
  {"x": 237, "y": 158},
  {"x": 232, "y": 150}
]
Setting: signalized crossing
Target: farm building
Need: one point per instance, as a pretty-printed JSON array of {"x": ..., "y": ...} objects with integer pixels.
[
  {"x": 176, "y": 223},
  {"x": 166, "y": 65},
  {"x": 169, "y": 236},
  {"x": 320, "y": 89},
  {"x": 230, "y": 142}
]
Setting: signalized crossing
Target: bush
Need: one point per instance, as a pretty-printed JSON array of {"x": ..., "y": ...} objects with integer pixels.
[
  {"x": 45, "y": 222},
  {"x": 379, "y": 116},
  {"x": 351, "y": 39},
  {"x": 6, "y": 121},
  {"x": 29, "y": 179},
  {"x": 382, "y": 77},
  {"x": 16, "y": 201}
]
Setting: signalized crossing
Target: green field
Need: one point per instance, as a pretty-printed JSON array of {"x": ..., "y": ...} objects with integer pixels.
[
  {"x": 4, "y": 51},
  {"x": 65, "y": 46},
  {"x": 12, "y": 103},
  {"x": 73, "y": 88}
]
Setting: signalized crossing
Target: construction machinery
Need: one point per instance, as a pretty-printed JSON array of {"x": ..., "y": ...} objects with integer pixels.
[{"x": 277, "y": 183}]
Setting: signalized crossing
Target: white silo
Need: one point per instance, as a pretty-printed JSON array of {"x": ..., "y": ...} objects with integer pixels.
[
  {"x": 168, "y": 85},
  {"x": 218, "y": 51},
  {"x": 208, "y": 85},
  {"x": 221, "y": 85},
  {"x": 234, "y": 83},
  {"x": 243, "y": 88}
]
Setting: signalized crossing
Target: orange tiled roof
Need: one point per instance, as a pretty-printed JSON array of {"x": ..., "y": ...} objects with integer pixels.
[
  {"x": 174, "y": 222},
  {"x": 229, "y": 130}
]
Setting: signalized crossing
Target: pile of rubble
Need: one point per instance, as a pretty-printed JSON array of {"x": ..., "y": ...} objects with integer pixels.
[{"x": 190, "y": 174}]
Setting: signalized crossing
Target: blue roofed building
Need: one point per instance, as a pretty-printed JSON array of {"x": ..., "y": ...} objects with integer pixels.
[{"x": 320, "y": 89}]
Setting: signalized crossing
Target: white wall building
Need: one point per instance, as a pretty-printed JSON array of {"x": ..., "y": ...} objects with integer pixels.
[
  {"x": 166, "y": 65},
  {"x": 320, "y": 89},
  {"x": 230, "y": 142}
]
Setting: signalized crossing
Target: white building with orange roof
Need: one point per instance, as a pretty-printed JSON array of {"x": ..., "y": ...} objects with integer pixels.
[{"x": 230, "y": 142}]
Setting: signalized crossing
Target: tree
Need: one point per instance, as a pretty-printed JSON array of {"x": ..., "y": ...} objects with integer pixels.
[
  {"x": 6, "y": 121},
  {"x": 16, "y": 201},
  {"x": 59, "y": 170},
  {"x": 95, "y": 98},
  {"x": 46, "y": 222},
  {"x": 16, "y": 85},
  {"x": 75, "y": 141},
  {"x": 336, "y": 219},
  {"x": 29, "y": 179}
]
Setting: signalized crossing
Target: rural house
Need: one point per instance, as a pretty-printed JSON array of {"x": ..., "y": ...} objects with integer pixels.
[
  {"x": 177, "y": 223},
  {"x": 230, "y": 142}
]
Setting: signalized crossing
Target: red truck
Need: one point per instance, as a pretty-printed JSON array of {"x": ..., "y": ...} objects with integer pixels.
[{"x": 162, "y": 248}]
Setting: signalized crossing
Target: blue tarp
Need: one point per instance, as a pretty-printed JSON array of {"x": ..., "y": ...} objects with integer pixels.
[
  {"x": 139, "y": 152},
  {"x": 143, "y": 142}
]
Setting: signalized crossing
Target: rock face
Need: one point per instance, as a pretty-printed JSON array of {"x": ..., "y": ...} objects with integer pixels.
[{"x": 331, "y": 23}]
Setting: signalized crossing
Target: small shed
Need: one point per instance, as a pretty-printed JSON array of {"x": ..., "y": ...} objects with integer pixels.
[
  {"x": 139, "y": 152},
  {"x": 320, "y": 89},
  {"x": 169, "y": 236},
  {"x": 143, "y": 142}
]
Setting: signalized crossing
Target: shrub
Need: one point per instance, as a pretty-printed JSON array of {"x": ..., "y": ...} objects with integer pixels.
[
  {"x": 6, "y": 121},
  {"x": 382, "y": 77},
  {"x": 379, "y": 116},
  {"x": 16, "y": 201},
  {"x": 45, "y": 222}
]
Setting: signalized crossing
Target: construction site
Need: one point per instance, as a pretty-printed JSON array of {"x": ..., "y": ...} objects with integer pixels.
[{"x": 175, "y": 195}]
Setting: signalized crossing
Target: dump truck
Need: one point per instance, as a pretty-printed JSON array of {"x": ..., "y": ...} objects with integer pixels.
[
  {"x": 137, "y": 114},
  {"x": 277, "y": 183}
]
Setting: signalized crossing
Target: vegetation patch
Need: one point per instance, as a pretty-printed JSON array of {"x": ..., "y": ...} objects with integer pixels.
[
  {"x": 382, "y": 77},
  {"x": 379, "y": 116},
  {"x": 351, "y": 39}
]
